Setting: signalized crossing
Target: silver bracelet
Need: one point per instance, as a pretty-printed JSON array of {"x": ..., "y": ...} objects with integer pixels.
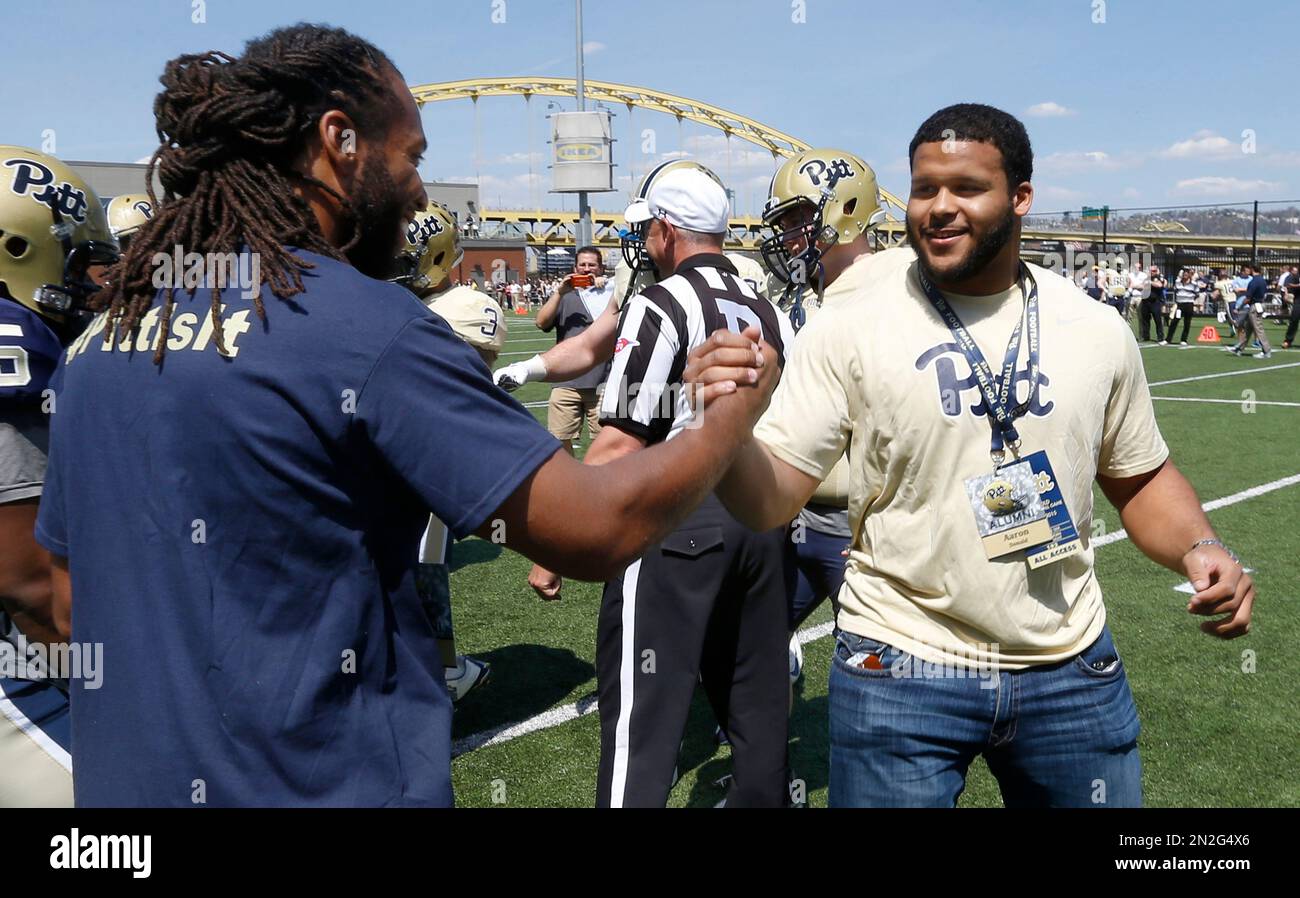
[{"x": 1214, "y": 542}]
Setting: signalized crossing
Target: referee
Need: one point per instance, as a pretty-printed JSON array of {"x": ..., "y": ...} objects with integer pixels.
[{"x": 708, "y": 603}]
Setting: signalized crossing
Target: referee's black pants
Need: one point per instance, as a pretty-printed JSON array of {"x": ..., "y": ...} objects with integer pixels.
[{"x": 707, "y": 604}]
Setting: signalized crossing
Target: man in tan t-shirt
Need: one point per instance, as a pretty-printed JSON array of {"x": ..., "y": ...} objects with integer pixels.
[{"x": 971, "y": 618}]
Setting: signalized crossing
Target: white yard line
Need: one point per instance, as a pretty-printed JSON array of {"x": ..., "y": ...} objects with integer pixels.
[
  {"x": 1226, "y": 401},
  {"x": 584, "y": 706},
  {"x": 564, "y": 713},
  {"x": 1184, "y": 380},
  {"x": 1215, "y": 346},
  {"x": 1213, "y": 505}
]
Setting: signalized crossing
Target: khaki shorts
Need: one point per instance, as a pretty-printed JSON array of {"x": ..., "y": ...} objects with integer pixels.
[{"x": 568, "y": 407}]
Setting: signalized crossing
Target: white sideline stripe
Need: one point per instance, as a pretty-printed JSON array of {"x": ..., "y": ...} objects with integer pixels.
[
  {"x": 1183, "y": 380},
  {"x": 564, "y": 713},
  {"x": 1213, "y": 505},
  {"x": 581, "y": 708},
  {"x": 1215, "y": 346},
  {"x": 506, "y": 732},
  {"x": 33, "y": 732},
  {"x": 1226, "y": 401}
]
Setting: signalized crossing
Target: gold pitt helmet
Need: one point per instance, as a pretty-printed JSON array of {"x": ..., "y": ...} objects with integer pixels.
[
  {"x": 432, "y": 249},
  {"x": 840, "y": 191},
  {"x": 127, "y": 214},
  {"x": 632, "y": 240},
  {"x": 52, "y": 229}
]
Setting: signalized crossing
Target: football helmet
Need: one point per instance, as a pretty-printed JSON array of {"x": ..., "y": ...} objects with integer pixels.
[
  {"x": 632, "y": 238},
  {"x": 52, "y": 230},
  {"x": 432, "y": 249},
  {"x": 127, "y": 214},
  {"x": 835, "y": 198}
]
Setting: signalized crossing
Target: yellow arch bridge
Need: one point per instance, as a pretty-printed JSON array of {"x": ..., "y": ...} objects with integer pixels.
[{"x": 546, "y": 228}]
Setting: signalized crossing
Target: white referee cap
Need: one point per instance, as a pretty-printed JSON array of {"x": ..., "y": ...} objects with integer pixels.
[{"x": 685, "y": 198}]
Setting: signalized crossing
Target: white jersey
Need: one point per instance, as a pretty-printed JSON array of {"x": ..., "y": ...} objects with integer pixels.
[{"x": 475, "y": 317}]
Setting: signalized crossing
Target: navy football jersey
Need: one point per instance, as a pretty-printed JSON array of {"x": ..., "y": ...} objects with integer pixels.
[{"x": 29, "y": 351}]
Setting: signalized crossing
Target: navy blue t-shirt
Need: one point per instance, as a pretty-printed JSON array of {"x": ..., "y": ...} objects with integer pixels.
[
  {"x": 1256, "y": 289},
  {"x": 242, "y": 535}
]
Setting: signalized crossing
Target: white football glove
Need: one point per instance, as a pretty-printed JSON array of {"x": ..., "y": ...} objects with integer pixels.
[{"x": 516, "y": 374}]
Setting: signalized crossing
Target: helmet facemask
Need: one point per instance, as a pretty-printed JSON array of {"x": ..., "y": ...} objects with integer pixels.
[
  {"x": 69, "y": 298},
  {"x": 799, "y": 266},
  {"x": 632, "y": 243}
]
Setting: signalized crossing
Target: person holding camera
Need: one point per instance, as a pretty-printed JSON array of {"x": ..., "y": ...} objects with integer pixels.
[{"x": 577, "y": 301}]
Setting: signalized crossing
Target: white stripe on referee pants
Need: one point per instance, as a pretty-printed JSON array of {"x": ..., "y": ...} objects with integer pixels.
[
  {"x": 35, "y": 733},
  {"x": 626, "y": 672}
]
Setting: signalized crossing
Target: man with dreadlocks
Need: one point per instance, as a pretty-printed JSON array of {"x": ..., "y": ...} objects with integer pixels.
[{"x": 254, "y": 465}]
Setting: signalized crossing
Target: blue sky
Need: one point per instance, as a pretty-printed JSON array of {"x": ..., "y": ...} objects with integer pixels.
[{"x": 1147, "y": 107}]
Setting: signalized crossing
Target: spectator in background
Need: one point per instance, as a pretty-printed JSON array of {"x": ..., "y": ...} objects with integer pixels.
[
  {"x": 1185, "y": 303},
  {"x": 1291, "y": 291},
  {"x": 1139, "y": 288},
  {"x": 577, "y": 300},
  {"x": 1150, "y": 307},
  {"x": 1093, "y": 284},
  {"x": 1248, "y": 319},
  {"x": 1117, "y": 290},
  {"x": 1223, "y": 293},
  {"x": 1204, "y": 291}
]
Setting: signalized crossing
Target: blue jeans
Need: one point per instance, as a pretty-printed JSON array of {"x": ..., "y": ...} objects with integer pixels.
[{"x": 1063, "y": 735}]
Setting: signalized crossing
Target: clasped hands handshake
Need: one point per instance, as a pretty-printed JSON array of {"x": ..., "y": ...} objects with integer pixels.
[{"x": 737, "y": 371}]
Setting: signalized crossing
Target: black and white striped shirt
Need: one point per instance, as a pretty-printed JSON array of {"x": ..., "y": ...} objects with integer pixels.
[{"x": 660, "y": 326}]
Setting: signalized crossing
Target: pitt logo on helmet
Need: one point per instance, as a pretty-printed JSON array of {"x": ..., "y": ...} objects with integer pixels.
[
  {"x": 419, "y": 231},
  {"x": 33, "y": 179},
  {"x": 144, "y": 209},
  {"x": 837, "y": 169}
]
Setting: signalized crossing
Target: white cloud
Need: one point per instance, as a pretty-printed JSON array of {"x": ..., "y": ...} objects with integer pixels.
[
  {"x": 1131, "y": 193},
  {"x": 1216, "y": 186},
  {"x": 1080, "y": 161},
  {"x": 1204, "y": 144},
  {"x": 1049, "y": 109},
  {"x": 592, "y": 47}
]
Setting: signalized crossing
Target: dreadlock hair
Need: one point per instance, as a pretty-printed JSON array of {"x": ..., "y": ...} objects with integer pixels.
[{"x": 230, "y": 130}]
